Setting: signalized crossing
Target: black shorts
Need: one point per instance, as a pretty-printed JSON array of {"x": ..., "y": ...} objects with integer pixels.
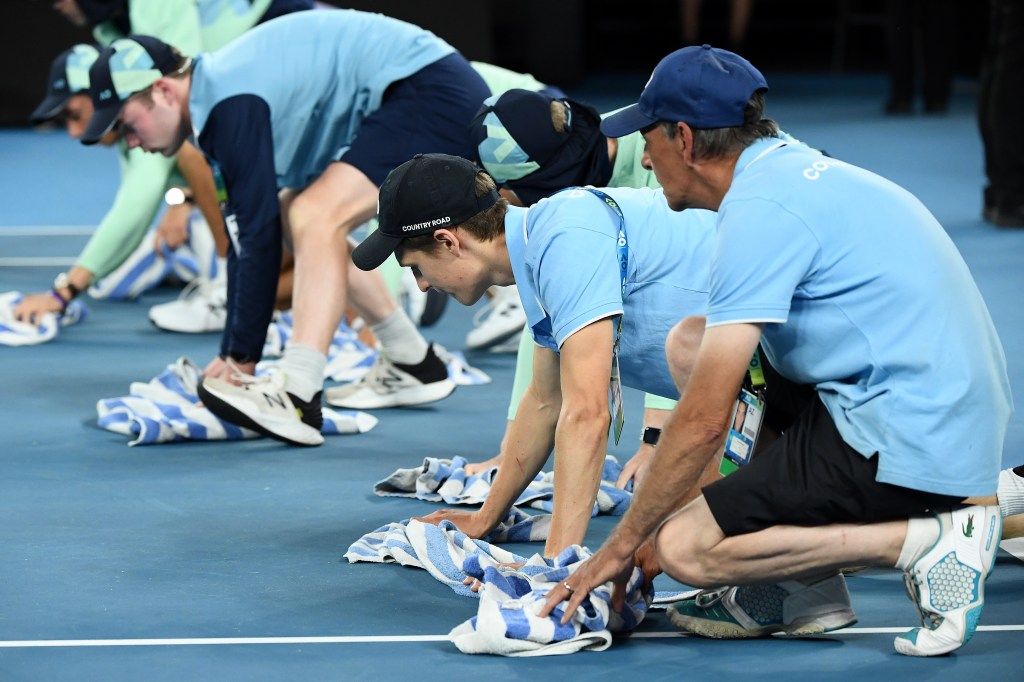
[
  {"x": 809, "y": 476},
  {"x": 428, "y": 112}
]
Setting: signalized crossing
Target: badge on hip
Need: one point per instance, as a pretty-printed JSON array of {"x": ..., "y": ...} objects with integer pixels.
[
  {"x": 615, "y": 405},
  {"x": 747, "y": 414}
]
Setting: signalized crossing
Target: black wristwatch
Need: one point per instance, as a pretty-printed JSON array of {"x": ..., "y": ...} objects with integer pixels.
[
  {"x": 650, "y": 435},
  {"x": 63, "y": 282}
]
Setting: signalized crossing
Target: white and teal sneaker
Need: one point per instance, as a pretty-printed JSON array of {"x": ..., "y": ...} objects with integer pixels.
[
  {"x": 947, "y": 583},
  {"x": 792, "y": 607}
]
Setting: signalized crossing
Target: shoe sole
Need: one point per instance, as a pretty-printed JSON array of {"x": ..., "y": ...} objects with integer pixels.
[
  {"x": 494, "y": 341},
  {"x": 228, "y": 412},
  {"x": 428, "y": 393},
  {"x": 437, "y": 301},
  {"x": 718, "y": 629}
]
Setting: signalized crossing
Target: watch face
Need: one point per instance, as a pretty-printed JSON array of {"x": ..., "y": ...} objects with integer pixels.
[
  {"x": 61, "y": 281},
  {"x": 174, "y": 196}
]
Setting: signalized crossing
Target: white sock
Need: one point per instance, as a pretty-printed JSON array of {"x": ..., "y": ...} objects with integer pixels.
[
  {"x": 303, "y": 370},
  {"x": 1010, "y": 492},
  {"x": 400, "y": 340},
  {"x": 922, "y": 532}
]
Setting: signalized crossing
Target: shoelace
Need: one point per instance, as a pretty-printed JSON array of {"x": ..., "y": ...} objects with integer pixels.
[
  {"x": 708, "y": 598},
  {"x": 200, "y": 286},
  {"x": 912, "y": 582}
]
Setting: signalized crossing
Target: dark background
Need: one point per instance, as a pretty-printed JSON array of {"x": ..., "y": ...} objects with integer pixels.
[{"x": 558, "y": 41}]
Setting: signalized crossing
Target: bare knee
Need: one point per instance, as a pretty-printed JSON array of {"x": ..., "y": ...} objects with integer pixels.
[{"x": 681, "y": 347}]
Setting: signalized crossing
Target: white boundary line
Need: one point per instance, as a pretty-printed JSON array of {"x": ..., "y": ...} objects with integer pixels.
[
  {"x": 38, "y": 261},
  {"x": 46, "y": 230},
  {"x": 374, "y": 639}
]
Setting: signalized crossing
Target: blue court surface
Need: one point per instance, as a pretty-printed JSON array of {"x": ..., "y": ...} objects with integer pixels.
[{"x": 223, "y": 561}]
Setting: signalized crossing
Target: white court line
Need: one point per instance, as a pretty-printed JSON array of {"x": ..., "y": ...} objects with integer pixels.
[
  {"x": 376, "y": 639},
  {"x": 38, "y": 261},
  {"x": 46, "y": 230}
]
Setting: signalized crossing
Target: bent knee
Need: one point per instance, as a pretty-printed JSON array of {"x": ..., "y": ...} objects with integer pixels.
[{"x": 686, "y": 553}]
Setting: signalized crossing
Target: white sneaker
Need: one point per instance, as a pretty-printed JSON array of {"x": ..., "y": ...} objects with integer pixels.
[
  {"x": 1010, "y": 493},
  {"x": 790, "y": 607},
  {"x": 388, "y": 384},
  {"x": 505, "y": 319},
  {"x": 947, "y": 583},
  {"x": 262, "y": 404},
  {"x": 200, "y": 308}
]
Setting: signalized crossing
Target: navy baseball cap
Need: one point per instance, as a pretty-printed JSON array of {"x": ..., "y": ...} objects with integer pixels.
[
  {"x": 704, "y": 87},
  {"x": 424, "y": 194},
  {"x": 128, "y": 66},
  {"x": 69, "y": 75}
]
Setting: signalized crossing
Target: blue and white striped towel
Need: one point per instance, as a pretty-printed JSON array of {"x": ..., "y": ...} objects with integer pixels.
[
  {"x": 348, "y": 358},
  {"x": 446, "y": 480},
  {"x": 166, "y": 410},
  {"x": 506, "y": 622},
  {"x": 15, "y": 333}
]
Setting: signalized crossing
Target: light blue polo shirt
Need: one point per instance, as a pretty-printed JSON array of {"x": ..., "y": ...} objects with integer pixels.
[
  {"x": 320, "y": 74},
  {"x": 565, "y": 260},
  {"x": 863, "y": 295}
]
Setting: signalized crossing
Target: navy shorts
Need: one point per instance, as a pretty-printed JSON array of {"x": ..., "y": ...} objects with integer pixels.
[
  {"x": 809, "y": 476},
  {"x": 428, "y": 112}
]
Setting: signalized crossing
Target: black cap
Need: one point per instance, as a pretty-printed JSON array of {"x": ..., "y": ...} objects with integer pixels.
[
  {"x": 129, "y": 65},
  {"x": 424, "y": 194},
  {"x": 69, "y": 75}
]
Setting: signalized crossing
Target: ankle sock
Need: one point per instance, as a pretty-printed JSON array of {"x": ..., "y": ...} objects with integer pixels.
[
  {"x": 399, "y": 339},
  {"x": 303, "y": 370},
  {"x": 1011, "y": 491},
  {"x": 922, "y": 532},
  {"x": 428, "y": 370}
]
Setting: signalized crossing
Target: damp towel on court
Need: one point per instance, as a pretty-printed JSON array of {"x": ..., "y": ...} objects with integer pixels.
[
  {"x": 167, "y": 410},
  {"x": 506, "y": 622},
  {"x": 15, "y": 333},
  {"x": 446, "y": 480},
  {"x": 348, "y": 358},
  {"x": 441, "y": 549}
]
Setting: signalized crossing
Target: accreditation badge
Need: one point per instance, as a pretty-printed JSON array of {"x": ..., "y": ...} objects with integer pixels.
[
  {"x": 615, "y": 404},
  {"x": 744, "y": 429}
]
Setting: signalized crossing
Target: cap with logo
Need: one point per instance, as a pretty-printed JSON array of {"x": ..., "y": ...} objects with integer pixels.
[
  {"x": 424, "y": 194},
  {"x": 704, "y": 87},
  {"x": 69, "y": 75},
  {"x": 128, "y": 66}
]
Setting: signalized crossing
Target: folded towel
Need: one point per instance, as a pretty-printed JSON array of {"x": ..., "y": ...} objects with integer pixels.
[
  {"x": 166, "y": 409},
  {"x": 446, "y": 480},
  {"x": 15, "y": 333}
]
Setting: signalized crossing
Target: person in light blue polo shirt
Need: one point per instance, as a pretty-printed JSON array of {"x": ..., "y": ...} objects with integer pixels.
[
  {"x": 855, "y": 292},
  {"x": 322, "y": 105},
  {"x": 442, "y": 216}
]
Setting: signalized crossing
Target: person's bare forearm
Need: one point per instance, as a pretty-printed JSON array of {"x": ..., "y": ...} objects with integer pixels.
[
  {"x": 197, "y": 173},
  {"x": 580, "y": 444},
  {"x": 530, "y": 440}
]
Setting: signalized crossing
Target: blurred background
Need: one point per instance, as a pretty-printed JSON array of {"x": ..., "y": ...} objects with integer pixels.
[{"x": 571, "y": 42}]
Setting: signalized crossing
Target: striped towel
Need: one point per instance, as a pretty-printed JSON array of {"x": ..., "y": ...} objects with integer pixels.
[
  {"x": 446, "y": 480},
  {"x": 15, "y": 333},
  {"x": 506, "y": 622},
  {"x": 146, "y": 267},
  {"x": 166, "y": 410},
  {"x": 348, "y": 358}
]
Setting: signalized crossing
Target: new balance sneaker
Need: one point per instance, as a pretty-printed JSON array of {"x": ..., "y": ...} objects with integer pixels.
[
  {"x": 501, "y": 319},
  {"x": 792, "y": 608},
  {"x": 262, "y": 404},
  {"x": 200, "y": 308},
  {"x": 389, "y": 384},
  {"x": 947, "y": 583}
]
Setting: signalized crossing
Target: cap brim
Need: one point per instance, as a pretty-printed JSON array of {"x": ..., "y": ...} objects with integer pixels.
[
  {"x": 374, "y": 250},
  {"x": 48, "y": 109},
  {"x": 627, "y": 121},
  {"x": 100, "y": 124}
]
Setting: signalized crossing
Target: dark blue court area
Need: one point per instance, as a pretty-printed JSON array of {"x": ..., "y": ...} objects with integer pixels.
[{"x": 201, "y": 561}]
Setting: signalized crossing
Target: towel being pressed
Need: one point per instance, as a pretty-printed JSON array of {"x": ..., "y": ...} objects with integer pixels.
[
  {"x": 166, "y": 409},
  {"x": 15, "y": 333},
  {"x": 446, "y": 480}
]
